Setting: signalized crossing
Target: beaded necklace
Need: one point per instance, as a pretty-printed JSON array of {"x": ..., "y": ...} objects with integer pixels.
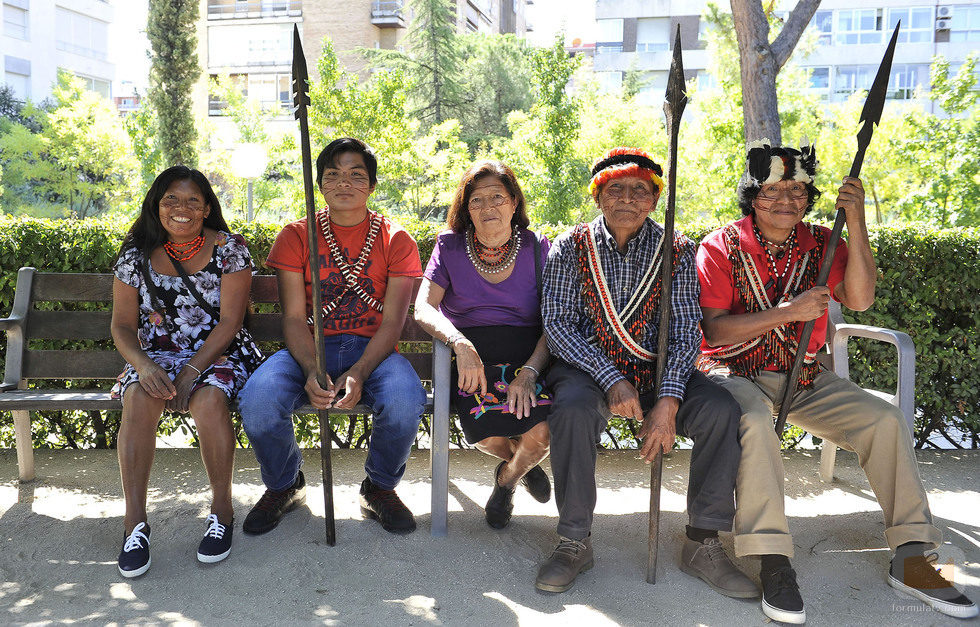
[
  {"x": 349, "y": 271},
  {"x": 478, "y": 253},
  {"x": 185, "y": 251},
  {"x": 788, "y": 245}
]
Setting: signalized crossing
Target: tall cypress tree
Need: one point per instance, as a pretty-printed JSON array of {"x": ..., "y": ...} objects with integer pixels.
[{"x": 173, "y": 71}]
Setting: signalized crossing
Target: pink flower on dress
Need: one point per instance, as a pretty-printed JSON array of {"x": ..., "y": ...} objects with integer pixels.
[
  {"x": 155, "y": 318},
  {"x": 221, "y": 239}
]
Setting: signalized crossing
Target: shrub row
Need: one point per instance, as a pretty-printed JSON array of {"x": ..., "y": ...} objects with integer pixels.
[{"x": 929, "y": 286}]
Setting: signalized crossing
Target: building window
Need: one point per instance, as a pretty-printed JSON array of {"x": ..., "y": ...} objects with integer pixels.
[
  {"x": 706, "y": 80},
  {"x": 100, "y": 86},
  {"x": 850, "y": 78},
  {"x": 917, "y": 24},
  {"x": 254, "y": 44},
  {"x": 820, "y": 78},
  {"x": 954, "y": 69},
  {"x": 14, "y": 21},
  {"x": 823, "y": 22},
  {"x": 653, "y": 34},
  {"x": 609, "y": 81},
  {"x": 253, "y": 8},
  {"x": 859, "y": 26},
  {"x": 19, "y": 83},
  {"x": 272, "y": 91},
  {"x": 905, "y": 78},
  {"x": 965, "y": 25},
  {"x": 610, "y": 36},
  {"x": 81, "y": 34}
]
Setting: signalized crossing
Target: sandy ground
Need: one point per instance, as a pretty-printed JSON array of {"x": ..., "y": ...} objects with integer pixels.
[{"x": 61, "y": 534}]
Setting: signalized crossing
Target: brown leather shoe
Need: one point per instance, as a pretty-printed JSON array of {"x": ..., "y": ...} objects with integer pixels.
[
  {"x": 708, "y": 561},
  {"x": 569, "y": 558}
]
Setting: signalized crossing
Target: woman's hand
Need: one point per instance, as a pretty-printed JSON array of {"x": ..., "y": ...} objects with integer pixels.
[
  {"x": 184, "y": 385},
  {"x": 521, "y": 395},
  {"x": 469, "y": 366},
  {"x": 155, "y": 381}
]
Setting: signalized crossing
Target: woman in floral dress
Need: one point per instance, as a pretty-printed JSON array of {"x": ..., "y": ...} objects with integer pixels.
[{"x": 185, "y": 348}]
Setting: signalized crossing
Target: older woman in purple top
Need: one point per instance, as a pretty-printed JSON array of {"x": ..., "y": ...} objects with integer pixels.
[{"x": 480, "y": 295}]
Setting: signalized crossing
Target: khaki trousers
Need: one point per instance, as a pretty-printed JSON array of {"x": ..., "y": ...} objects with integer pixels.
[{"x": 837, "y": 410}]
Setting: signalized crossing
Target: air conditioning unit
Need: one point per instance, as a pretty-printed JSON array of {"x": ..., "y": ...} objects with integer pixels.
[
  {"x": 942, "y": 24},
  {"x": 942, "y": 12}
]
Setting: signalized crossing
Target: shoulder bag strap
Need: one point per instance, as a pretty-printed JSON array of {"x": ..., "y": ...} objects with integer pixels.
[
  {"x": 537, "y": 265},
  {"x": 205, "y": 305}
]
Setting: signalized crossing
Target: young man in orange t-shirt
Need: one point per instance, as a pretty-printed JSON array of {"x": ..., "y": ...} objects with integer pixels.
[{"x": 368, "y": 268}]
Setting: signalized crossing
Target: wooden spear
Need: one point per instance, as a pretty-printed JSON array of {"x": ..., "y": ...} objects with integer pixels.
[
  {"x": 301, "y": 99},
  {"x": 870, "y": 117},
  {"x": 674, "y": 103}
]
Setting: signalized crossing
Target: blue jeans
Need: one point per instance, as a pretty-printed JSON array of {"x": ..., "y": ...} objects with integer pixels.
[{"x": 393, "y": 392}]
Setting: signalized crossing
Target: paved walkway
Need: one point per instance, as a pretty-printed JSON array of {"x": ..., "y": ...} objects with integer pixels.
[{"x": 59, "y": 537}]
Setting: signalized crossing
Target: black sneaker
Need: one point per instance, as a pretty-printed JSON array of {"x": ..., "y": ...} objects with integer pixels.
[
  {"x": 538, "y": 485},
  {"x": 273, "y": 505},
  {"x": 134, "y": 559},
  {"x": 216, "y": 544},
  {"x": 385, "y": 507},
  {"x": 781, "y": 599},
  {"x": 916, "y": 577},
  {"x": 500, "y": 505}
]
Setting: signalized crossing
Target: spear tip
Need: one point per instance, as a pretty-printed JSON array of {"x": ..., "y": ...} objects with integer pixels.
[{"x": 676, "y": 96}]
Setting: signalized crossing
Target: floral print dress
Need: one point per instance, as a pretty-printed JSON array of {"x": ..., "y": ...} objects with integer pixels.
[{"x": 172, "y": 336}]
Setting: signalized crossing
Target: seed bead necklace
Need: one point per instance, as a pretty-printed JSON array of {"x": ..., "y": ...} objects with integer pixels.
[
  {"x": 788, "y": 246},
  {"x": 185, "y": 251},
  {"x": 492, "y": 260},
  {"x": 350, "y": 272}
]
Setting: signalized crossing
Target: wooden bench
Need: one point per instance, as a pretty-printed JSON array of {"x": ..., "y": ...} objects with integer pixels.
[{"x": 26, "y": 364}]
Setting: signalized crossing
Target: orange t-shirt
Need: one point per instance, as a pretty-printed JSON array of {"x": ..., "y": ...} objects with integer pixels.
[{"x": 394, "y": 254}]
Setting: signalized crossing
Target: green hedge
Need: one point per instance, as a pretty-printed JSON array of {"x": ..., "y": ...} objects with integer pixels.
[{"x": 929, "y": 287}]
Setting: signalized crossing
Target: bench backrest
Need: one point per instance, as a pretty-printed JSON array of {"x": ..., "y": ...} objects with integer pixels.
[{"x": 40, "y": 288}]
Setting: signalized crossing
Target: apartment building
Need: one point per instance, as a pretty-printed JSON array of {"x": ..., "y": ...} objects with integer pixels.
[
  {"x": 41, "y": 37},
  {"x": 251, "y": 40},
  {"x": 636, "y": 35}
]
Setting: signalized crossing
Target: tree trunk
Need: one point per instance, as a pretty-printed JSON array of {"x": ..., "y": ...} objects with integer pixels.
[{"x": 761, "y": 61}]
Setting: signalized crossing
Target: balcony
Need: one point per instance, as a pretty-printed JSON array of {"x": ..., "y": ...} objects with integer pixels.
[
  {"x": 231, "y": 9},
  {"x": 388, "y": 13}
]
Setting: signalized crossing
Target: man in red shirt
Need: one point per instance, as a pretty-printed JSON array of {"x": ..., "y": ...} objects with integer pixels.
[
  {"x": 368, "y": 269},
  {"x": 758, "y": 278}
]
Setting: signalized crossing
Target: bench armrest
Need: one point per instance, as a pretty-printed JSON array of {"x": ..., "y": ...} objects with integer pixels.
[{"x": 12, "y": 322}]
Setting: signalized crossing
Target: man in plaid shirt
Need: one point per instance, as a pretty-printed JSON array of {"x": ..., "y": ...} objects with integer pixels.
[{"x": 600, "y": 305}]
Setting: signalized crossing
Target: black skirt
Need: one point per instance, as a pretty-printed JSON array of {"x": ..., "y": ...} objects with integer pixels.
[{"x": 503, "y": 350}]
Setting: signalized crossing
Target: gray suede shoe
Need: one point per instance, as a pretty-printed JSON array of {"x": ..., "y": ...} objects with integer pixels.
[
  {"x": 569, "y": 558},
  {"x": 708, "y": 561}
]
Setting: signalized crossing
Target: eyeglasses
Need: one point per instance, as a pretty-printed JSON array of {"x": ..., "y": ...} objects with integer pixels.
[
  {"x": 172, "y": 202},
  {"x": 356, "y": 178},
  {"x": 639, "y": 192},
  {"x": 795, "y": 192},
  {"x": 476, "y": 204}
]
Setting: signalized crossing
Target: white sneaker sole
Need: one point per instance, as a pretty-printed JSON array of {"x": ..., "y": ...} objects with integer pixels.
[
  {"x": 947, "y": 608},
  {"x": 211, "y": 559},
  {"x": 129, "y": 574},
  {"x": 783, "y": 616}
]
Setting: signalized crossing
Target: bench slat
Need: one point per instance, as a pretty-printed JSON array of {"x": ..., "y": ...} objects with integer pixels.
[
  {"x": 69, "y": 325},
  {"x": 71, "y": 287},
  {"x": 68, "y": 400},
  {"x": 77, "y": 364}
]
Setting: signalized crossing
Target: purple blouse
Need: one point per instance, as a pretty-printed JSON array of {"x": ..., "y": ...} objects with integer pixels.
[{"x": 471, "y": 300}]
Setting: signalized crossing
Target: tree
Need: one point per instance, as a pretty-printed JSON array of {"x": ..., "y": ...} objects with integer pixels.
[
  {"x": 79, "y": 161},
  {"x": 174, "y": 69},
  {"x": 760, "y": 62},
  {"x": 941, "y": 154},
  {"x": 432, "y": 64},
  {"x": 557, "y": 114},
  {"x": 141, "y": 126},
  {"x": 497, "y": 77}
]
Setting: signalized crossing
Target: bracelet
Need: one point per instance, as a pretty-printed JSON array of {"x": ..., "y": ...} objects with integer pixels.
[
  {"x": 194, "y": 368},
  {"x": 455, "y": 337},
  {"x": 526, "y": 367}
]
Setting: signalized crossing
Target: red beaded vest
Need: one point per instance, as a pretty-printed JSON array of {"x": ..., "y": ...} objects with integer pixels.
[
  {"x": 777, "y": 347},
  {"x": 619, "y": 333}
]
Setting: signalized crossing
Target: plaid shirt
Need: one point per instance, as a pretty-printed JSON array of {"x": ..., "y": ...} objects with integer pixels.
[{"x": 569, "y": 327}]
